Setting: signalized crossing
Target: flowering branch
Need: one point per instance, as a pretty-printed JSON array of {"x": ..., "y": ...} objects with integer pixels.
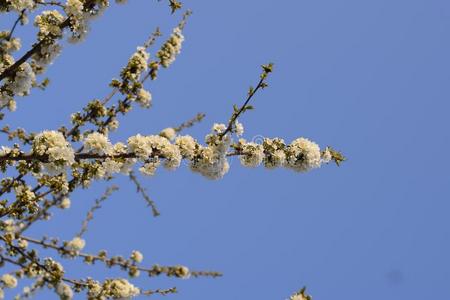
[
  {"x": 72, "y": 249},
  {"x": 10, "y": 71},
  {"x": 52, "y": 164}
]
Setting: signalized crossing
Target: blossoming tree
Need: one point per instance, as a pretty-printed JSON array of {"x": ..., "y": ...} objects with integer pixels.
[{"x": 41, "y": 170}]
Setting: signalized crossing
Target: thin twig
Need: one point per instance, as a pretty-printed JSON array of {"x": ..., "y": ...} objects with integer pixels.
[
  {"x": 261, "y": 84},
  {"x": 15, "y": 24},
  {"x": 90, "y": 214},
  {"x": 198, "y": 118},
  {"x": 141, "y": 189}
]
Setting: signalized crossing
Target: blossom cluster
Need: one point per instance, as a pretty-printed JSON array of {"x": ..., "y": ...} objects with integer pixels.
[
  {"x": 113, "y": 288},
  {"x": 58, "y": 151},
  {"x": 7, "y": 281},
  {"x": 131, "y": 74},
  {"x": 171, "y": 48},
  {"x": 49, "y": 24}
]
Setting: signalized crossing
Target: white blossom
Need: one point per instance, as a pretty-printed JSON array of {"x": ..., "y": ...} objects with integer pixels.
[
  {"x": 65, "y": 203},
  {"x": 169, "y": 133},
  {"x": 326, "y": 156},
  {"x": 239, "y": 128},
  {"x": 144, "y": 146},
  {"x": 252, "y": 154},
  {"x": 60, "y": 153},
  {"x": 76, "y": 244},
  {"x": 12, "y": 105},
  {"x": 4, "y": 151},
  {"x": 184, "y": 272},
  {"x": 137, "y": 256},
  {"x": 94, "y": 290},
  {"x": 74, "y": 8},
  {"x": 136, "y": 65},
  {"x": 120, "y": 288},
  {"x": 171, "y": 48},
  {"x": 149, "y": 168},
  {"x": 6, "y": 99},
  {"x": 187, "y": 145},
  {"x": 48, "y": 23},
  {"x": 113, "y": 125},
  {"x": 47, "y": 54},
  {"x": 219, "y": 128},
  {"x": 21, "y": 243},
  {"x": 9, "y": 45},
  {"x": 138, "y": 145},
  {"x": 274, "y": 153},
  {"x": 9, "y": 281},
  {"x": 8, "y": 226},
  {"x": 97, "y": 143},
  {"x": 24, "y": 193},
  {"x": 23, "y": 80},
  {"x": 144, "y": 98},
  {"x": 6, "y": 60},
  {"x": 64, "y": 291},
  {"x": 303, "y": 155},
  {"x": 111, "y": 166},
  {"x": 210, "y": 163}
]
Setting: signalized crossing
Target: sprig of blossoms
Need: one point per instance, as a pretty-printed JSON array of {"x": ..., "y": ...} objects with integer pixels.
[
  {"x": 101, "y": 159},
  {"x": 171, "y": 48},
  {"x": 49, "y": 24}
]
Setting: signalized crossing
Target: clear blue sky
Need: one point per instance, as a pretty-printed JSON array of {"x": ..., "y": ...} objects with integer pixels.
[{"x": 370, "y": 78}]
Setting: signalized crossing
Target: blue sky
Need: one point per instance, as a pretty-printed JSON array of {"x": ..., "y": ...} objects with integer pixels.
[{"x": 367, "y": 77}]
